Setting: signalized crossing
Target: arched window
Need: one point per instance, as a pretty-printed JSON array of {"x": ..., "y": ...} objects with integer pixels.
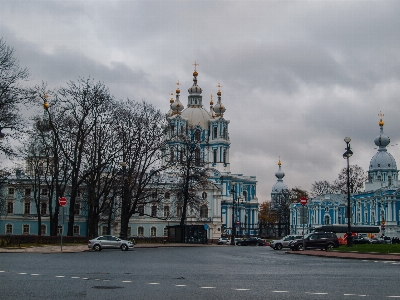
[
  {"x": 245, "y": 195},
  {"x": 326, "y": 220},
  {"x": 215, "y": 156},
  {"x": 224, "y": 133},
  {"x": 224, "y": 158},
  {"x": 197, "y": 157},
  {"x": 167, "y": 195},
  {"x": 197, "y": 135},
  {"x": 9, "y": 229},
  {"x": 76, "y": 230},
  {"x": 140, "y": 231},
  {"x": 215, "y": 132},
  {"x": 165, "y": 231},
  {"x": 153, "y": 232},
  {"x": 203, "y": 211},
  {"x": 172, "y": 155},
  {"x": 179, "y": 211},
  {"x": 204, "y": 195},
  {"x": 43, "y": 229}
]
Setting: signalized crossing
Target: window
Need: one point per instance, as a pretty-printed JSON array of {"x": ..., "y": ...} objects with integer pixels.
[
  {"x": 28, "y": 192},
  {"x": 76, "y": 229},
  {"x": 197, "y": 135},
  {"x": 9, "y": 229},
  {"x": 165, "y": 231},
  {"x": 172, "y": 158},
  {"x": 129, "y": 232},
  {"x": 77, "y": 209},
  {"x": 153, "y": 232},
  {"x": 245, "y": 195},
  {"x": 181, "y": 155},
  {"x": 154, "y": 195},
  {"x": 326, "y": 220},
  {"x": 11, "y": 191},
  {"x": 154, "y": 211},
  {"x": 172, "y": 129},
  {"x": 25, "y": 229},
  {"x": 10, "y": 207},
  {"x": 204, "y": 195},
  {"x": 59, "y": 230},
  {"x": 43, "y": 208},
  {"x": 197, "y": 157},
  {"x": 365, "y": 216},
  {"x": 215, "y": 156},
  {"x": 167, "y": 195},
  {"x": 326, "y": 209},
  {"x": 140, "y": 210},
  {"x": 140, "y": 231},
  {"x": 43, "y": 229},
  {"x": 224, "y": 157},
  {"x": 104, "y": 230},
  {"x": 373, "y": 217},
  {"x": 27, "y": 208},
  {"x": 203, "y": 211},
  {"x": 43, "y": 192},
  {"x": 224, "y": 133},
  {"x": 166, "y": 211},
  {"x": 215, "y": 132},
  {"x": 179, "y": 211}
]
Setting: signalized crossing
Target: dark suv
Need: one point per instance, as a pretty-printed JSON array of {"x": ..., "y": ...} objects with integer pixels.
[{"x": 317, "y": 240}]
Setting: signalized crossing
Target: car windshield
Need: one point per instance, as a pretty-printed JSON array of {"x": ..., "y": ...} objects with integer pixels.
[{"x": 307, "y": 235}]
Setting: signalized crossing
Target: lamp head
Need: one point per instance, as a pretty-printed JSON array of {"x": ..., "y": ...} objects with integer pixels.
[{"x": 347, "y": 139}]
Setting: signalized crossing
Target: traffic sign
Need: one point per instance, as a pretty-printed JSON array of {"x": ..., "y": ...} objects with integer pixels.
[
  {"x": 62, "y": 201},
  {"x": 303, "y": 201}
]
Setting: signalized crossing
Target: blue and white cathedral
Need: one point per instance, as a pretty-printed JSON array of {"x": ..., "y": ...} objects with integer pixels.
[{"x": 378, "y": 205}]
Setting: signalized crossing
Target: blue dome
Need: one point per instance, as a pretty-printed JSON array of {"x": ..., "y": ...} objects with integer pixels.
[{"x": 382, "y": 160}]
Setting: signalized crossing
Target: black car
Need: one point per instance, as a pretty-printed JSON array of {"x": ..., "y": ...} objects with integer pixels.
[
  {"x": 362, "y": 240},
  {"x": 316, "y": 240},
  {"x": 252, "y": 241}
]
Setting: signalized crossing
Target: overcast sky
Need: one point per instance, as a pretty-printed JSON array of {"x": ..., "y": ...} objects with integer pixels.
[{"x": 297, "y": 76}]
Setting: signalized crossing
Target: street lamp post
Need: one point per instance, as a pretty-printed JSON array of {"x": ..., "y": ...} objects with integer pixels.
[
  {"x": 346, "y": 156},
  {"x": 123, "y": 212},
  {"x": 233, "y": 215}
]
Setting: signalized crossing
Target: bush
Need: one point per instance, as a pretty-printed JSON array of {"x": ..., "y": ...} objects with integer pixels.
[{"x": 17, "y": 240}]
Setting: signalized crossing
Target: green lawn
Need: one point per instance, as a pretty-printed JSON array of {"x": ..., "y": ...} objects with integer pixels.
[{"x": 379, "y": 248}]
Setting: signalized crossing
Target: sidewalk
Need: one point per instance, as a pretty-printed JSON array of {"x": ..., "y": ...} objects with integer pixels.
[
  {"x": 82, "y": 248},
  {"x": 348, "y": 255}
]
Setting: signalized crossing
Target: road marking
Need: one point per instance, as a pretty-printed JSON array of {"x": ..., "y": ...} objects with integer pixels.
[
  {"x": 207, "y": 287},
  {"x": 85, "y": 278},
  {"x": 60, "y": 276},
  {"x": 127, "y": 281},
  {"x": 75, "y": 277},
  {"x": 316, "y": 293},
  {"x": 393, "y": 296},
  {"x": 280, "y": 291},
  {"x": 349, "y": 294},
  {"x": 153, "y": 283},
  {"x": 35, "y": 274},
  {"x": 2, "y": 271},
  {"x": 22, "y": 273},
  {"x": 389, "y": 261},
  {"x": 180, "y": 285},
  {"x": 242, "y": 289}
]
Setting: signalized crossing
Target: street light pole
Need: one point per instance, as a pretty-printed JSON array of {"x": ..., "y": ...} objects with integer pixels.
[
  {"x": 233, "y": 215},
  {"x": 346, "y": 156}
]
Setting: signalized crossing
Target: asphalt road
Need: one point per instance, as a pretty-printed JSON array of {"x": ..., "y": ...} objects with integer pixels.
[{"x": 215, "y": 272}]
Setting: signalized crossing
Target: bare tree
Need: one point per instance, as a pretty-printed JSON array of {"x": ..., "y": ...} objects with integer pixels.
[
  {"x": 321, "y": 187},
  {"x": 268, "y": 218},
  {"x": 11, "y": 95},
  {"x": 357, "y": 179}
]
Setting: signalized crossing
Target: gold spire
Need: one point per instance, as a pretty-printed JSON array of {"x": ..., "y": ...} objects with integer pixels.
[
  {"x": 177, "y": 88},
  {"x": 279, "y": 162},
  {"x": 381, "y": 123},
  {"x": 172, "y": 99},
  {"x": 195, "y": 69},
  {"x": 211, "y": 101},
  {"x": 219, "y": 89},
  {"x": 46, "y": 104}
]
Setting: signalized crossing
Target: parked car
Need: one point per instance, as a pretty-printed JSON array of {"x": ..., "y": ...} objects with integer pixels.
[
  {"x": 224, "y": 241},
  {"x": 284, "y": 242},
  {"x": 252, "y": 241},
  {"x": 362, "y": 240},
  {"x": 316, "y": 240},
  {"x": 386, "y": 240},
  {"x": 109, "y": 242},
  {"x": 375, "y": 241}
]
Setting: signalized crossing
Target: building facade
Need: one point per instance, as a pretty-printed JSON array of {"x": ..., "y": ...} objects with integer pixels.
[{"x": 378, "y": 205}]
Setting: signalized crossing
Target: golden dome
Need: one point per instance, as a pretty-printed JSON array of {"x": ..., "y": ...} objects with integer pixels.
[
  {"x": 195, "y": 73},
  {"x": 46, "y": 105},
  {"x": 178, "y": 90},
  {"x": 381, "y": 123}
]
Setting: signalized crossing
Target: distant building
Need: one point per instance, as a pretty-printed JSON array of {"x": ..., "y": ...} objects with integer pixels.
[{"x": 378, "y": 205}]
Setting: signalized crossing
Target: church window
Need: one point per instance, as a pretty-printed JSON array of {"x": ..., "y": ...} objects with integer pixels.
[
  {"x": 140, "y": 231},
  {"x": 153, "y": 231},
  {"x": 195, "y": 101},
  {"x": 167, "y": 195},
  {"x": 215, "y": 132},
  {"x": 215, "y": 156},
  {"x": 224, "y": 133},
  {"x": 166, "y": 211},
  {"x": 9, "y": 229},
  {"x": 365, "y": 217},
  {"x": 204, "y": 195},
  {"x": 224, "y": 157},
  {"x": 43, "y": 208},
  {"x": 172, "y": 129},
  {"x": 197, "y": 135},
  {"x": 203, "y": 211},
  {"x": 245, "y": 195},
  {"x": 179, "y": 211},
  {"x": 140, "y": 210},
  {"x": 373, "y": 217},
  {"x": 172, "y": 155},
  {"x": 154, "y": 211},
  {"x": 197, "y": 157},
  {"x": 182, "y": 129},
  {"x": 327, "y": 209},
  {"x": 379, "y": 165},
  {"x": 165, "y": 231},
  {"x": 10, "y": 207},
  {"x": 326, "y": 220}
]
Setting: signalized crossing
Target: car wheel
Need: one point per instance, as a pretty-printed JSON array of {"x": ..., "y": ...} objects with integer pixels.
[
  {"x": 124, "y": 247},
  {"x": 300, "y": 247},
  {"x": 278, "y": 247},
  {"x": 97, "y": 248},
  {"x": 329, "y": 246},
  {"x": 219, "y": 243},
  {"x": 239, "y": 244}
]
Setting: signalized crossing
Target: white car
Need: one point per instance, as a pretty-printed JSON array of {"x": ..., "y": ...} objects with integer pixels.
[
  {"x": 284, "y": 242},
  {"x": 109, "y": 242},
  {"x": 224, "y": 241}
]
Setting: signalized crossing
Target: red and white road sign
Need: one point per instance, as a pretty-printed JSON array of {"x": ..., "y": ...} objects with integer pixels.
[
  {"x": 303, "y": 200},
  {"x": 62, "y": 201}
]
